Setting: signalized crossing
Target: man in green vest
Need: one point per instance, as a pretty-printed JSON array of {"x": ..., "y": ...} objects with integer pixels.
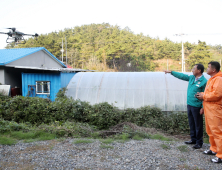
[{"x": 197, "y": 83}]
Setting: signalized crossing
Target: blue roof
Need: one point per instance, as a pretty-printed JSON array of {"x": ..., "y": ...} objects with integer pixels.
[{"x": 10, "y": 55}]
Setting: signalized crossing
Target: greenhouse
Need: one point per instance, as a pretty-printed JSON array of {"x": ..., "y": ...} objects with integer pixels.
[{"x": 130, "y": 89}]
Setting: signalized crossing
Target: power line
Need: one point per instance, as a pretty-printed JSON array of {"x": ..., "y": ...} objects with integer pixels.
[{"x": 141, "y": 52}]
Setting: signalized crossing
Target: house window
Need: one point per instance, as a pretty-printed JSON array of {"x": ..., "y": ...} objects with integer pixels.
[{"x": 42, "y": 87}]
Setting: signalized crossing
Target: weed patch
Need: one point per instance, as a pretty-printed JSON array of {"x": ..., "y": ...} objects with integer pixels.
[
  {"x": 20, "y": 135},
  {"x": 183, "y": 148},
  {"x": 45, "y": 136},
  {"x": 96, "y": 135},
  {"x": 82, "y": 141},
  {"x": 124, "y": 137},
  {"x": 160, "y": 137},
  {"x": 137, "y": 137},
  {"x": 107, "y": 141},
  {"x": 7, "y": 140},
  {"x": 164, "y": 146},
  {"x": 206, "y": 140}
]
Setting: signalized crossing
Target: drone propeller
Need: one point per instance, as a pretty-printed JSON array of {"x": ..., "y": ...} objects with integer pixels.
[
  {"x": 33, "y": 35},
  {"x": 13, "y": 29},
  {"x": 3, "y": 32}
]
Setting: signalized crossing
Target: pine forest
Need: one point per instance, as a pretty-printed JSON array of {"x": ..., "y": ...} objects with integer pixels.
[{"x": 104, "y": 47}]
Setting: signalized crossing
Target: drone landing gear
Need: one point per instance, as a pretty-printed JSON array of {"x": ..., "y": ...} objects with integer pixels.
[{"x": 16, "y": 40}]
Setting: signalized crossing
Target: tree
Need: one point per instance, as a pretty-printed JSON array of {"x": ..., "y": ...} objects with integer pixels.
[
  {"x": 110, "y": 47},
  {"x": 200, "y": 54}
]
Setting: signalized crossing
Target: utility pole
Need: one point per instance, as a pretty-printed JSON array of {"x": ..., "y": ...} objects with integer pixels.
[
  {"x": 183, "y": 60},
  {"x": 62, "y": 50},
  {"x": 75, "y": 58},
  {"x": 71, "y": 60},
  {"x": 167, "y": 64},
  {"x": 66, "y": 50}
]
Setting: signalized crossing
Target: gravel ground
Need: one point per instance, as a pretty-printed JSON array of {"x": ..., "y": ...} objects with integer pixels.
[{"x": 146, "y": 154}]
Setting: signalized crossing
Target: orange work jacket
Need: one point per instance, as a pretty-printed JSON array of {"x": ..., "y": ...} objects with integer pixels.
[
  {"x": 213, "y": 94},
  {"x": 213, "y": 112}
]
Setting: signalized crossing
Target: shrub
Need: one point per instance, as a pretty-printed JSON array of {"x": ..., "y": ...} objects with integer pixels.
[
  {"x": 143, "y": 115},
  {"x": 61, "y": 93},
  {"x": 27, "y": 109},
  {"x": 69, "y": 109},
  {"x": 38, "y": 110},
  {"x": 6, "y": 126},
  {"x": 170, "y": 122},
  {"x": 104, "y": 115}
]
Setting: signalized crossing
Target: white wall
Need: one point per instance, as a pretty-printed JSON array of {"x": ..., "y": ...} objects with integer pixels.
[
  {"x": 38, "y": 59},
  {"x": 2, "y": 76}
]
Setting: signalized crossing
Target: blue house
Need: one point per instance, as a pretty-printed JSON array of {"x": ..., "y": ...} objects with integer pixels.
[
  {"x": 34, "y": 72},
  {"x": 44, "y": 85}
]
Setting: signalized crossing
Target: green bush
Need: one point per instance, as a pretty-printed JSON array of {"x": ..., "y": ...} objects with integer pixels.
[
  {"x": 141, "y": 116},
  {"x": 38, "y": 110},
  {"x": 61, "y": 93},
  {"x": 27, "y": 109},
  {"x": 103, "y": 115},
  {"x": 68, "y": 109},
  {"x": 170, "y": 122}
]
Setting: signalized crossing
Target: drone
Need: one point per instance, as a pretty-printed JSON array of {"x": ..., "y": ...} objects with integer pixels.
[{"x": 16, "y": 36}]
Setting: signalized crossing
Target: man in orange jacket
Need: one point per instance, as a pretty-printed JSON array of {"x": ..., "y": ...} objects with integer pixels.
[{"x": 212, "y": 103}]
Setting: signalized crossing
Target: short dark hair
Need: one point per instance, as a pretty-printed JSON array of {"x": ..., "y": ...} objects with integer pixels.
[
  {"x": 200, "y": 67},
  {"x": 215, "y": 65}
]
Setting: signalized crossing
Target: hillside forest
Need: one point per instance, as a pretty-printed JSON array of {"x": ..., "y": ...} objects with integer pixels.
[{"x": 105, "y": 47}]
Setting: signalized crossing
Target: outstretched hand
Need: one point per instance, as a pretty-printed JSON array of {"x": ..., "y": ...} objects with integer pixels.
[{"x": 166, "y": 71}]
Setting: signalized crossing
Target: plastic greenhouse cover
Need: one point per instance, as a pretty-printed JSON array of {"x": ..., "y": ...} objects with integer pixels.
[{"x": 130, "y": 89}]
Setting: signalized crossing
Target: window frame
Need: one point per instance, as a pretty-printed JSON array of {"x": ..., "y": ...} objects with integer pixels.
[{"x": 42, "y": 87}]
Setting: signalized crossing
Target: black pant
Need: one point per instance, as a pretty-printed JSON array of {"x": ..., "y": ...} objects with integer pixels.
[{"x": 196, "y": 124}]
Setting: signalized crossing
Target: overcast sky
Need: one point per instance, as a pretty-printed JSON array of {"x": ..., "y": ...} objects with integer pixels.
[{"x": 199, "y": 19}]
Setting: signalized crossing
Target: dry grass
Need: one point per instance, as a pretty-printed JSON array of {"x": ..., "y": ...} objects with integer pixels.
[
  {"x": 172, "y": 65},
  {"x": 37, "y": 148},
  {"x": 118, "y": 129},
  {"x": 216, "y": 56}
]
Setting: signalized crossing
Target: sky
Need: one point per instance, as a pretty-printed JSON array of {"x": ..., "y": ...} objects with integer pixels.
[{"x": 197, "y": 19}]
